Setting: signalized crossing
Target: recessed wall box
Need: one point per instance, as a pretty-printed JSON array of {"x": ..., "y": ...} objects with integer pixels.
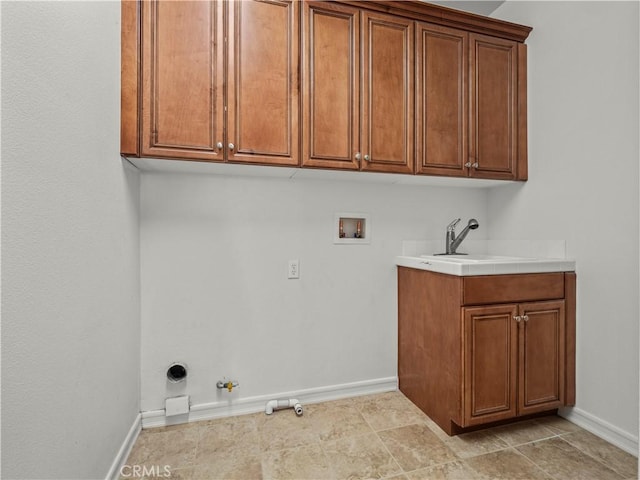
[{"x": 351, "y": 228}]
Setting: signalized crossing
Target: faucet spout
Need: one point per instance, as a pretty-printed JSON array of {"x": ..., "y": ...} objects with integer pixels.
[{"x": 453, "y": 241}]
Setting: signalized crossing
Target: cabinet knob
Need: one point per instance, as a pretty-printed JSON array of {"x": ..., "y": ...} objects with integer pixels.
[
  {"x": 358, "y": 156},
  {"x": 231, "y": 146},
  {"x": 517, "y": 318},
  {"x": 525, "y": 318},
  {"x": 367, "y": 158},
  {"x": 475, "y": 165},
  {"x": 219, "y": 145},
  {"x": 468, "y": 164}
]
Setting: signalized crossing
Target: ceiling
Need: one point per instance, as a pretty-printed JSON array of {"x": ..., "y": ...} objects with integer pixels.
[{"x": 481, "y": 7}]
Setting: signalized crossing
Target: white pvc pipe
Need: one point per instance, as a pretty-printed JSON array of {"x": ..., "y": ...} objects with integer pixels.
[{"x": 283, "y": 403}]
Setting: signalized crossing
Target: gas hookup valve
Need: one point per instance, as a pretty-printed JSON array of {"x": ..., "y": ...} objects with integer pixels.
[{"x": 228, "y": 384}]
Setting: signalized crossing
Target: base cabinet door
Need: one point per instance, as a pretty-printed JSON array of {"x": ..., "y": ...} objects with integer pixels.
[
  {"x": 542, "y": 357},
  {"x": 490, "y": 365},
  {"x": 514, "y": 360}
]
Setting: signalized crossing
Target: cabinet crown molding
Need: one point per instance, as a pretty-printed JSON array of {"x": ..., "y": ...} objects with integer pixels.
[{"x": 448, "y": 17}]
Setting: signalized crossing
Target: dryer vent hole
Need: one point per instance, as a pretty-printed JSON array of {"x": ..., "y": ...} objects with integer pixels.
[{"x": 176, "y": 373}]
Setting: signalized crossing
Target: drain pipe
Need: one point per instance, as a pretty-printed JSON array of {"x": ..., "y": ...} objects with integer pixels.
[{"x": 285, "y": 403}]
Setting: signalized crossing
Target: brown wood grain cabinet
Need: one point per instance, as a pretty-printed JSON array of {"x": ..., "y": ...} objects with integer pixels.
[
  {"x": 472, "y": 352},
  {"x": 383, "y": 86},
  {"x": 471, "y": 104},
  {"x": 219, "y": 81},
  {"x": 358, "y": 89}
]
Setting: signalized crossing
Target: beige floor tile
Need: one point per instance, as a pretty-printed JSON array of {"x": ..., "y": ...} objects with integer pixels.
[
  {"x": 226, "y": 437},
  {"x": 174, "y": 448},
  {"x": 284, "y": 429},
  {"x": 449, "y": 471},
  {"x": 522, "y": 432},
  {"x": 618, "y": 460},
  {"x": 389, "y": 410},
  {"x": 416, "y": 446},
  {"x": 227, "y": 466},
  {"x": 335, "y": 420},
  {"x": 360, "y": 456},
  {"x": 562, "y": 460},
  {"x": 558, "y": 424},
  {"x": 336, "y": 440},
  {"x": 307, "y": 462},
  {"x": 180, "y": 448},
  {"x": 148, "y": 449},
  {"x": 506, "y": 465},
  {"x": 473, "y": 444},
  {"x": 180, "y": 474}
]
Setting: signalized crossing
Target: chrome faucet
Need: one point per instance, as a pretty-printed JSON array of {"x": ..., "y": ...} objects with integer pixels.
[{"x": 454, "y": 242}]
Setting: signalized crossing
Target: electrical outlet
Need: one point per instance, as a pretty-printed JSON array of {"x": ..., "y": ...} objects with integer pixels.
[{"x": 294, "y": 269}]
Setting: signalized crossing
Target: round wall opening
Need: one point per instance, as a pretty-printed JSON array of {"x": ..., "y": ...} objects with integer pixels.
[{"x": 177, "y": 372}]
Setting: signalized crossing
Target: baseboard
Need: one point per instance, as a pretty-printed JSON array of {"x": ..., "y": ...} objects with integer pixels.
[
  {"x": 125, "y": 449},
  {"x": 603, "y": 429},
  {"x": 242, "y": 406}
]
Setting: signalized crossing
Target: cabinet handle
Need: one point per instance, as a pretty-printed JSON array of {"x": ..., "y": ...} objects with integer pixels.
[
  {"x": 525, "y": 318},
  {"x": 366, "y": 158},
  {"x": 517, "y": 318},
  {"x": 219, "y": 145},
  {"x": 475, "y": 165},
  {"x": 358, "y": 156},
  {"x": 231, "y": 146},
  {"x": 468, "y": 164}
]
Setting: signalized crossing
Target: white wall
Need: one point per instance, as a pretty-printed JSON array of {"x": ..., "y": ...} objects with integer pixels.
[
  {"x": 70, "y": 273},
  {"x": 215, "y": 292},
  {"x": 583, "y": 184}
]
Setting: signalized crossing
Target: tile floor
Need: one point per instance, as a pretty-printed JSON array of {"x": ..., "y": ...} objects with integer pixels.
[{"x": 377, "y": 436}]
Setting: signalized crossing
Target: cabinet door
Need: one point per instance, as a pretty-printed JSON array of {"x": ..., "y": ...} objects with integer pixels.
[
  {"x": 493, "y": 107},
  {"x": 331, "y": 66},
  {"x": 490, "y": 364},
  {"x": 441, "y": 100},
  {"x": 182, "y": 58},
  {"x": 387, "y": 132},
  {"x": 542, "y": 357},
  {"x": 262, "y": 84}
]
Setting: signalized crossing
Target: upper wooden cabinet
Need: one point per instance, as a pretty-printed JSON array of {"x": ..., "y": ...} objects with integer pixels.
[
  {"x": 357, "y": 89},
  {"x": 385, "y": 86},
  {"x": 442, "y": 119},
  {"x": 262, "y": 82},
  {"x": 471, "y": 104},
  {"x": 182, "y": 80},
  {"x": 186, "y": 110}
]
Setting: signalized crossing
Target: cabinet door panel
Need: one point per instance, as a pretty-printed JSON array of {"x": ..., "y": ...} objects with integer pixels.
[
  {"x": 493, "y": 112},
  {"x": 542, "y": 357},
  {"x": 182, "y": 79},
  {"x": 387, "y": 92},
  {"x": 490, "y": 375},
  {"x": 331, "y": 63},
  {"x": 442, "y": 62},
  {"x": 263, "y": 82}
]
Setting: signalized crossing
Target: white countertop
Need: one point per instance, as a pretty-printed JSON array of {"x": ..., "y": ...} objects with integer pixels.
[{"x": 465, "y": 265}]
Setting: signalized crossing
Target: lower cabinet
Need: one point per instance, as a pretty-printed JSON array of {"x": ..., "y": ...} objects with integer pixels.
[
  {"x": 513, "y": 360},
  {"x": 483, "y": 349}
]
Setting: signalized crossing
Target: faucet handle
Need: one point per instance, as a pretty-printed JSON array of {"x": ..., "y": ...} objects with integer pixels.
[{"x": 451, "y": 227}]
